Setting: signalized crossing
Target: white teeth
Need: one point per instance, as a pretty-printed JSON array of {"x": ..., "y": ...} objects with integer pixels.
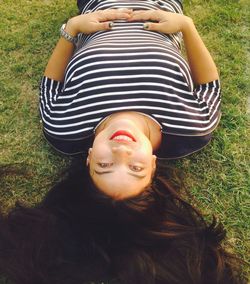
[{"x": 123, "y": 137}]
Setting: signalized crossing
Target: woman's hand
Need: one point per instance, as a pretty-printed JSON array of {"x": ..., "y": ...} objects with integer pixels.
[
  {"x": 161, "y": 21},
  {"x": 96, "y": 21}
]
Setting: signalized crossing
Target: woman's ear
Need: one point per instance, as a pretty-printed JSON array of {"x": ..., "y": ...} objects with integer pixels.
[
  {"x": 89, "y": 157},
  {"x": 154, "y": 158}
]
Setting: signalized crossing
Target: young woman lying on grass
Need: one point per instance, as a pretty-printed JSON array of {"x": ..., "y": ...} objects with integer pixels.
[
  {"x": 125, "y": 88},
  {"x": 117, "y": 87}
]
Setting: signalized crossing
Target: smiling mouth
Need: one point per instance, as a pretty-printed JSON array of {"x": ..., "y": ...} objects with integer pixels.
[{"x": 123, "y": 136}]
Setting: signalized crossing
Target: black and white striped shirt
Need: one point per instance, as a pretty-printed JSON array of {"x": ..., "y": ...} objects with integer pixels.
[{"x": 128, "y": 69}]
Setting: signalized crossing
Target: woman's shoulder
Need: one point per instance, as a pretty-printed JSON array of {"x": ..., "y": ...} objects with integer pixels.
[{"x": 176, "y": 147}]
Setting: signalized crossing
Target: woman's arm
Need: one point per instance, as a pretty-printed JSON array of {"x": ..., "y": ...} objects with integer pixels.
[
  {"x": 86, "y": 23},
  {"x": 202, "y": 66},
  {"x": 60, "y": 58},
  {"x": 201, "y": 63}
]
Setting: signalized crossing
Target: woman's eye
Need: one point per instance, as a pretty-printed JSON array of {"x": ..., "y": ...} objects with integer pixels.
[
  {"x": 104, "y": 165},
  {"x": 136, "y": 168}
]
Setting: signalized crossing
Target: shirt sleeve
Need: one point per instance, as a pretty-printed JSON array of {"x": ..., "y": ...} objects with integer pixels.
[
  {"x": 209, "y": 96},
  {"x": 49, "y": 91}
]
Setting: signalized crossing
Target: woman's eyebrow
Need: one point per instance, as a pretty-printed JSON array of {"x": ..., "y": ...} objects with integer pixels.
[
  {"x": 102, "y": 173},
  {"x": 132, "y": 174}
]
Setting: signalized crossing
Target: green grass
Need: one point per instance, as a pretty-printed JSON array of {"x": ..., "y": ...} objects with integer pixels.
[{"x": 218, "y": 176}]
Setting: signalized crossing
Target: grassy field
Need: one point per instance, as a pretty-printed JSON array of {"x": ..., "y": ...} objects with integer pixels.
[{"x": 218, "y": 176}]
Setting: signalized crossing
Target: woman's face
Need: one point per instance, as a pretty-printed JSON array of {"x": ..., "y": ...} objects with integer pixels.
[{"x": 121, "y": 161}]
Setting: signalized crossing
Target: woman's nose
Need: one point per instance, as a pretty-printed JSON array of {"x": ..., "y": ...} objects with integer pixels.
[{"x": 121, "y": 149}]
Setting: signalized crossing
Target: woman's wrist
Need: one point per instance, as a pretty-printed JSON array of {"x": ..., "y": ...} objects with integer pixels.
[
  {"x": 71, "y": 27},
  {"x": 187, "y": 25}
]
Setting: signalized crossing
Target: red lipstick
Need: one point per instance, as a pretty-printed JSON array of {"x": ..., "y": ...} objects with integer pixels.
[{"x": 124, "y": 133}]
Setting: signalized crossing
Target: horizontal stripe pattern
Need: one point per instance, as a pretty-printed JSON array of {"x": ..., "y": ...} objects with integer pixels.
[{"x": 128, "y": 69}]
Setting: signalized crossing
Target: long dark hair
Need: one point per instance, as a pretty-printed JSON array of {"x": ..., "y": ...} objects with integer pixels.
[{"x": 77, "y": 234}]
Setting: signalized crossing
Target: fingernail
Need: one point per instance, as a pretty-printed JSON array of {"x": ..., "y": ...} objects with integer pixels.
[
  {"x": 145, "y": 26},
  {"x": 111, "y": 24}
]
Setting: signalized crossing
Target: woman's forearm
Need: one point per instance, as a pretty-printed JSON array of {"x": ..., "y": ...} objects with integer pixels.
[
  {"x": 60, "y": 57},
  {"x": 203, "y": 68}
]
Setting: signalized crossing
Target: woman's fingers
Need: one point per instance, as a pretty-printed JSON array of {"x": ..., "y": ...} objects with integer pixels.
[
  {"x": 146, "y": 15},
  {"x": 95, "y": 26},
  {"x": 157, "y": 27},
  {"x": 114, "y": 14},
  {"x": 101, "y": 20},
  {"x": 160, "y": 21}
]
